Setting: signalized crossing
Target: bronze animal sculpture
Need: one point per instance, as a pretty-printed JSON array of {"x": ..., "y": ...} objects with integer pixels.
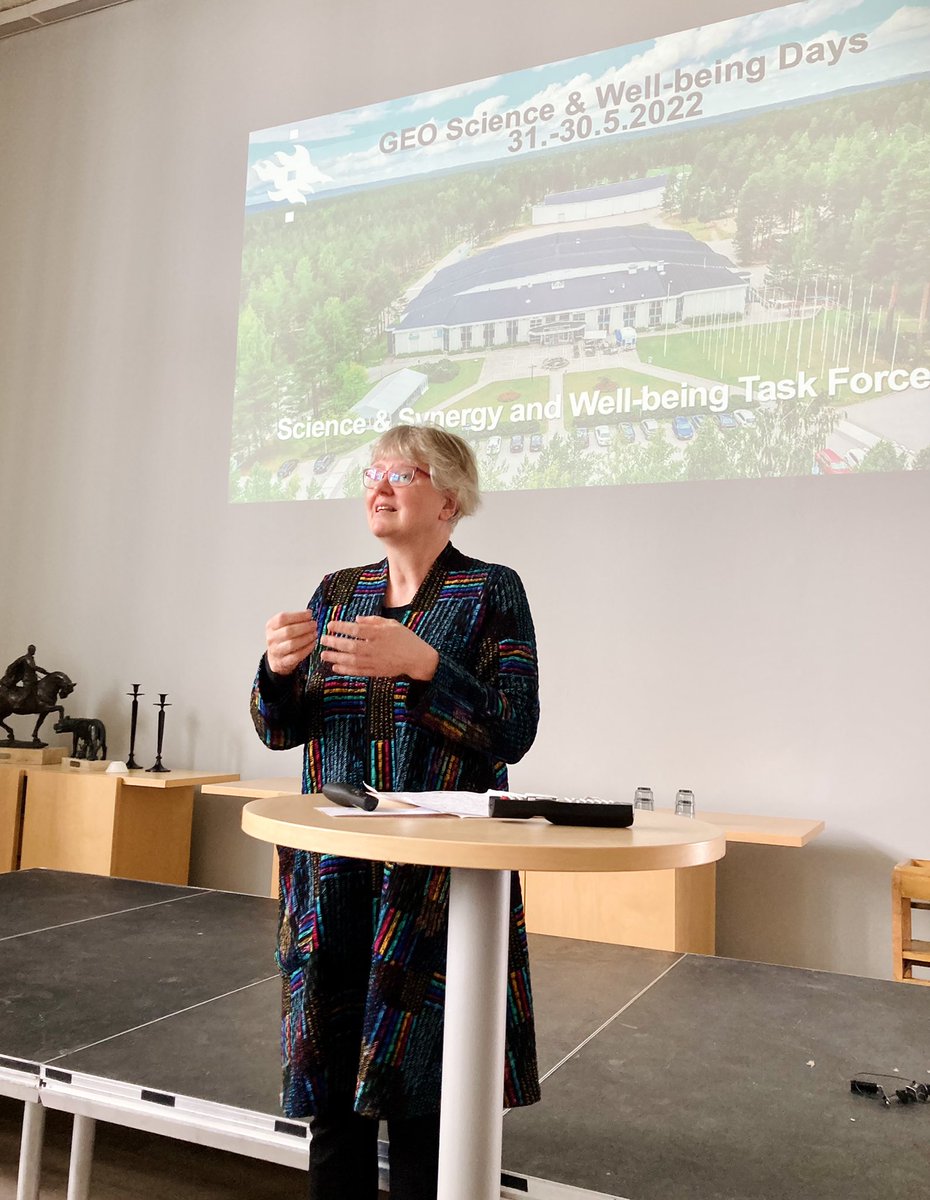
[
  {"x": 89, "y": 736},
  {"x": 39, "y": 697}
]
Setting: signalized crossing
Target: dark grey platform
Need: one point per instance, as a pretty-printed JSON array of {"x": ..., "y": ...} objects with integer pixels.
[
  {"x": 152, "y": 1007},
  {"x": 665, "y": 1075},
  {"x": 33, "y": 900},
  {"x": 72, "y": 985},
  {"x": 729, "y": 1080}
]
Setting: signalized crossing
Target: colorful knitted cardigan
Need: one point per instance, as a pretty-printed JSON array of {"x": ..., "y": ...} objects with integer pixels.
[{"x": 362, "y": 945}]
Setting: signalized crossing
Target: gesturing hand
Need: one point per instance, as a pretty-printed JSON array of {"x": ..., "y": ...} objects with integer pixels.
[
  {"x": 289, "y": 638},
  {"x": 377, "y": 646}
]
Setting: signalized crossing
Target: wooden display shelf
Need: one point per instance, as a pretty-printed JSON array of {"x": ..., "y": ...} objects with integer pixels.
[
  {"x": 764, "y": 831},
  {"x": 12, "y": 790},
  {"x": 256, "y": 789},
  {"x": 135, "y": 825}
]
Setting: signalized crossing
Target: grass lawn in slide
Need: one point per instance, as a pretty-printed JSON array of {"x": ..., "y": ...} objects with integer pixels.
[
  {"x": 438, "y": 393},
  {"x": 506, "y": 392},
  {"x": 777, "y": 349}
]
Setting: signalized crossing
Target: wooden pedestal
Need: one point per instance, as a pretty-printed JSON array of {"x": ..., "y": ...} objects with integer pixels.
[{"x": 29, "y": 755}]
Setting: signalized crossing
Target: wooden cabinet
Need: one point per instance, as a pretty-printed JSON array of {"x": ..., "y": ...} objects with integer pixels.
[
  {"x": 136, "y": 826},
  {"x": 664, "y": 910}
]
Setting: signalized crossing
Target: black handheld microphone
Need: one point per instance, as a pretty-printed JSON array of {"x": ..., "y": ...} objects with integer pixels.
[{"x": 350, "y": 796}]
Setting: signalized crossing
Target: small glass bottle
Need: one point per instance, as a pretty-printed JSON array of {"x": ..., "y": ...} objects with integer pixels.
[
  {"x": 684, "y": 803},
  {"x": 642, "y": 798}
]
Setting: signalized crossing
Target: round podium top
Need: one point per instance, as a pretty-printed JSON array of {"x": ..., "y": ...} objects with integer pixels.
[{"x": 656, "y": 841}]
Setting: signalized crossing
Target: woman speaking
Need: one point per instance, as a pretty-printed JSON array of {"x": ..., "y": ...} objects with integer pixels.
[{"x": 415, "y": 673}]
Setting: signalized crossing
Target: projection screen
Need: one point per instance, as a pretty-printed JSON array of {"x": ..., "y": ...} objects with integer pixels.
[{"x": 705, "y": 256}]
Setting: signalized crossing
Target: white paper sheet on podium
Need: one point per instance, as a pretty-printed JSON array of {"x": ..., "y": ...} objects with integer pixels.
[
  {"x": 454, "y": 804},
  {"x": 422, "y": 804},
  {"x": 383, "y": 810}
]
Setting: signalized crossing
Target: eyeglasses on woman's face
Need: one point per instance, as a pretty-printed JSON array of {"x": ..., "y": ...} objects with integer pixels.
[{"x": 400, "y": 475}]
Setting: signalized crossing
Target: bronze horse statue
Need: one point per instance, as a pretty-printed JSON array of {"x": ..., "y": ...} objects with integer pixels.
[{"x": 41, "y": 698}]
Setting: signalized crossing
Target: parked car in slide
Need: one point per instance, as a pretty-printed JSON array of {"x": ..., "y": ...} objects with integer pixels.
[
  {"x": 494, "y": 444},
  {"x": 516, "y": 443},
  {"x": 288, "y": 467},
  {"x": 602, "y": 435},
  {"x": 683, "y": 428},
  {"x": 828, "y": 462},
  {"x": 649, "y": 426},
  {"x": 726, "y": 420}
]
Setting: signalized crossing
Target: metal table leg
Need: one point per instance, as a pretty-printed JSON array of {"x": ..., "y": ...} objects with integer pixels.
[{"x": 470, "y": 1131}]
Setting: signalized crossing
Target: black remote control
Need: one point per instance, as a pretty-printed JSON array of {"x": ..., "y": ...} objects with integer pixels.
[
  {"x": 350, "y": 796},
  {"x": 604, "y": 814}
]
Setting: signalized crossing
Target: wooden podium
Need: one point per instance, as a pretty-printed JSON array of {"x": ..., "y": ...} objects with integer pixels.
[
  {"x": 481, "y": 855},
  {"x": 674, "y": 908}
]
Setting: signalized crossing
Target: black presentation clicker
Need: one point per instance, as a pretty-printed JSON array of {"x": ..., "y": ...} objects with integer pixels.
[{"x": 604, "y": 814}]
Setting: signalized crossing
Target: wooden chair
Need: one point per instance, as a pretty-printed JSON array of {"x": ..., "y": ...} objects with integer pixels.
[{"x": 910, "y": 889}]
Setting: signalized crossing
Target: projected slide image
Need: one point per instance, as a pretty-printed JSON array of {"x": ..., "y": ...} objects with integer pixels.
[{"x": 703, "y": 257}]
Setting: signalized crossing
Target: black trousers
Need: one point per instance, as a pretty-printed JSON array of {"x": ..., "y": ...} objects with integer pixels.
[{"x": 344, "y": 1158}]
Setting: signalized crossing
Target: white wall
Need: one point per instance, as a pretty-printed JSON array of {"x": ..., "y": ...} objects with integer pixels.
[{"x": 764, "y": 643}]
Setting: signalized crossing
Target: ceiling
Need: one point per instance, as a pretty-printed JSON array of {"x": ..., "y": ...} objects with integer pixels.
[{"x": 20, "y": 16}]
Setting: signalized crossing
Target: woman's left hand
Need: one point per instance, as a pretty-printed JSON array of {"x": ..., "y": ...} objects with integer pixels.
[{"x": 377, "y": 646}]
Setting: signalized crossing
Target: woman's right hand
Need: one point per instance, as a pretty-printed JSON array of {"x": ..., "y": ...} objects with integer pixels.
[{"x": 289, "y": 638}]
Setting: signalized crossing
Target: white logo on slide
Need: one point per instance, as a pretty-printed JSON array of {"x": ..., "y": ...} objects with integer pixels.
[{"x": 292, "y": 177}]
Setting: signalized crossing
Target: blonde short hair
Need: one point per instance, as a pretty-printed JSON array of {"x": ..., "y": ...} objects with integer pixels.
[{"x": 451, "y": 461}]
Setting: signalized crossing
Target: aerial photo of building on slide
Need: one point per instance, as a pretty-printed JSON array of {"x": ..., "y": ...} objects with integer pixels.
[{"x": 553, "y": 287}]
